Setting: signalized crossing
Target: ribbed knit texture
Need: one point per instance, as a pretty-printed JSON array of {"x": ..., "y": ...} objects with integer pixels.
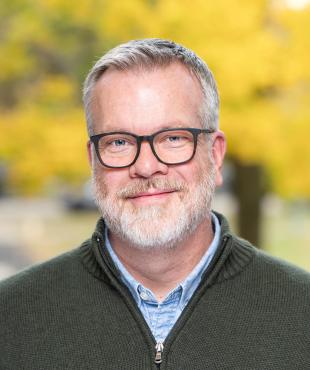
[{"x": 250, "y": 311}]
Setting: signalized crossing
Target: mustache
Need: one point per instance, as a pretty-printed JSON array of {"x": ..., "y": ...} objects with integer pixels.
[{"x": 140, "y": 186}]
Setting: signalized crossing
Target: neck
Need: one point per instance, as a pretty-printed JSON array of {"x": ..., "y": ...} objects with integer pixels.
[{"x": 162, "y": 269}]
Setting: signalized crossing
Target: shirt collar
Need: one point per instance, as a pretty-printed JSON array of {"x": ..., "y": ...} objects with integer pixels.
[
  {"x": 126, "y": 277},
  {"x": 188, "y": 286}
]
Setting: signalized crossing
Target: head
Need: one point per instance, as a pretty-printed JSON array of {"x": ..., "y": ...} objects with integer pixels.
[{"x": 143, "y": 87}]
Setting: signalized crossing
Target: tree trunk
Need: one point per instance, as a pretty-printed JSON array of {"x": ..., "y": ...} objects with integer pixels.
[{"x": 248, "y": 189}]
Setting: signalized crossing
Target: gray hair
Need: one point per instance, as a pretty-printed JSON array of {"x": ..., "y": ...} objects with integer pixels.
[{"x": 152, "y": 53}]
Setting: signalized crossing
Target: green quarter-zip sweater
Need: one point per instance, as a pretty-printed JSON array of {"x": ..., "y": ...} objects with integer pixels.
[{"x": 250, "y": 311}]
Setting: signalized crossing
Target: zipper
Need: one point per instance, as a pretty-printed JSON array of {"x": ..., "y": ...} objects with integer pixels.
[
  {"x": 158, "y": 355},
  {"x": 128, "y": 298}
]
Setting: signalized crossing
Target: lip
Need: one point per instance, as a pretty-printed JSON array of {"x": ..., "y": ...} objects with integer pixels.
[{"x": 152, "y": 195}]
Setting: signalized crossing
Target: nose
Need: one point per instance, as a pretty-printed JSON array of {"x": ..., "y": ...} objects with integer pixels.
[{"x": 147, "y": 164}]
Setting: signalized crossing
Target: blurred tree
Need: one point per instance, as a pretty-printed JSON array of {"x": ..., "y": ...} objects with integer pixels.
[
  {"x": 258, "y": 51},
  {"x": 48, "y": 48}
]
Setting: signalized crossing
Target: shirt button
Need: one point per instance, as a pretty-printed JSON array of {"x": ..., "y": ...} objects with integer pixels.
[{"x": 144, "y": 296}]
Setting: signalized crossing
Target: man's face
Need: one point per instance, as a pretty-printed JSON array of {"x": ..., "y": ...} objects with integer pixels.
[{"x": 151, "y": 204}]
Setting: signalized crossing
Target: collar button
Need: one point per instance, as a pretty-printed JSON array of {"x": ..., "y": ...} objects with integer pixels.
[{"x": 144, "y": 296}]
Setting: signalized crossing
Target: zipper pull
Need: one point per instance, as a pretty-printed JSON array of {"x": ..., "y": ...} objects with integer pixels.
[{"x": 159, "y": 350}]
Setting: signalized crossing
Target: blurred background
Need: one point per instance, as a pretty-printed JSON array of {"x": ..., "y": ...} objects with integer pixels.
[{"x": 259, "y": 53}]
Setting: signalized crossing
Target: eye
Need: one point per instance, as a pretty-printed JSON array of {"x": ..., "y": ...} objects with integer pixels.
[
  {"x": 118, "y": 142},
  {"x": 118, "y": 145},
  {"x": 173, "y": 139}
]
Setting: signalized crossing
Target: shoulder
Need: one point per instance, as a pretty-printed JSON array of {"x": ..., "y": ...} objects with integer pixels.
[
  {"x": 283, "y": 270},
  {"x": 269, "y": 270},
  {"x": 40, "y": 276}
]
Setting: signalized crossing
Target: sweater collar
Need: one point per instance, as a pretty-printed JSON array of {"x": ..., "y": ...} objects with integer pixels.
[{"x": 232, "y": 255}]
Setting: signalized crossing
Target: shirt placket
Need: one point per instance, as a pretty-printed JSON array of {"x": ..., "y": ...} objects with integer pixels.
[{"x": 161, "y": 316}]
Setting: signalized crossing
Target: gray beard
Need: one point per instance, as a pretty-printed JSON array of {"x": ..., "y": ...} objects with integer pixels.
[{"x": 155, "y": 226}]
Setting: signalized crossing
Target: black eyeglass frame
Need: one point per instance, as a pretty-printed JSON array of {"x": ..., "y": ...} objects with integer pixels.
[{"x": 150, "y": 139}]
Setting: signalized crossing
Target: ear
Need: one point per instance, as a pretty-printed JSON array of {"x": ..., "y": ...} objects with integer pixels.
[
  {"x": 90, "y": 153},
  {"x": 218, "y": 153}
]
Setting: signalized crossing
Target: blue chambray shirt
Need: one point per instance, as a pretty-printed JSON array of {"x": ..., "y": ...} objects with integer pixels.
[{"x": 161, "y": 316}]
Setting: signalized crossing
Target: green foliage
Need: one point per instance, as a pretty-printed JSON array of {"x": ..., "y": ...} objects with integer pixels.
[{"x": 258, "y": 50}]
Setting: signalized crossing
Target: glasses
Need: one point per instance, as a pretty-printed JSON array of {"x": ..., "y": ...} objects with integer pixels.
[{"x": 169, "y": 146}]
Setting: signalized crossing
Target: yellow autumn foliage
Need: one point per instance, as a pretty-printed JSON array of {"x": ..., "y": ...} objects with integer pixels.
[{"x": 258, "y": 51}]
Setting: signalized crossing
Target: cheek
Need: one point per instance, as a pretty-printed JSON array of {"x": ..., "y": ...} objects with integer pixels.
[
  {"x": 188, "y": 172},
  {"x": 112, "y": 180},
  {"x": 204, "y": 161}
]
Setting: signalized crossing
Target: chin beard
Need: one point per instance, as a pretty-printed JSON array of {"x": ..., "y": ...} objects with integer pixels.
[{"x": 155, "y": 226}]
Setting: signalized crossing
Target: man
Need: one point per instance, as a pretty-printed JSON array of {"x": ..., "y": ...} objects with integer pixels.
[{"x": 162, "y": 283}]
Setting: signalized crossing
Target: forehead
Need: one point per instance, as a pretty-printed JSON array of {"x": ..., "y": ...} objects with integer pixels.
[{"x": 165, "y": 96}]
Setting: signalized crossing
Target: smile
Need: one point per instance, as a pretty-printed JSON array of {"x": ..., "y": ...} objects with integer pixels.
[{"x": 153, "y": 195}]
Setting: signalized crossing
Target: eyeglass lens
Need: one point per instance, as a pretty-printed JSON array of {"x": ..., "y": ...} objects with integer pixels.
[{"x": 171, "y": 147}]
